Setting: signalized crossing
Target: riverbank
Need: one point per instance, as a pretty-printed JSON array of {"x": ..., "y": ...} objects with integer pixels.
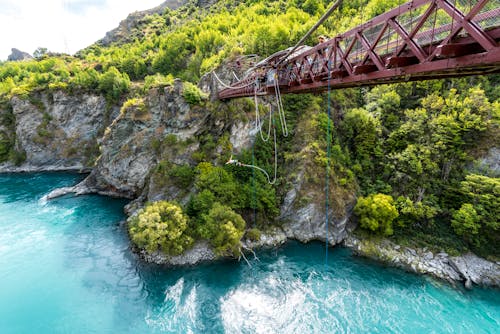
[{"x": 467, "y": 268}]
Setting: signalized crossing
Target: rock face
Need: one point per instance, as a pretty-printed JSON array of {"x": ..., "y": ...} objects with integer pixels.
[
  {"x": 467, "y": 268},
  {"x": 491, "y": 162},
  {"x": 130, "y": 148},
  {"x": 18, "y": 55},
  {"x": 200, "y": 252},
  {"x": 57, "y": 131}
]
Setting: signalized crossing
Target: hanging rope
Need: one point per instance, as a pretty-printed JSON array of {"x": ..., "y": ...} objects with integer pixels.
[
  {"x": 235, "y": 76},
  {"x": 258, "y": 120},
  {"x": 279, "y": 103},
  {"x": 328, "y": 156},
  {"x": 232, "y": 161},
  {"x": 227, "y": 86}
]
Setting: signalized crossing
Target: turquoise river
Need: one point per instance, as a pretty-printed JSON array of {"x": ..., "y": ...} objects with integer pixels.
[{"x": 66, "y": 267}]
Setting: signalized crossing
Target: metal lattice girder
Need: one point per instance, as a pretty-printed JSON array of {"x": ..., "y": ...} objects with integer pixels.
[{"x": 403, "y": 44}]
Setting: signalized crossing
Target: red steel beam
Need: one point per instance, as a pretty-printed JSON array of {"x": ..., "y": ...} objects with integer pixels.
[{"x": 477, "y": 52}]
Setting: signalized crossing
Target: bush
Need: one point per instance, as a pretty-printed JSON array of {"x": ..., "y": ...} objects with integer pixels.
[
  {"x": 160, "y": 226},
  {"x": 466, "y": 221},
  {"x": 224, "y": 228},
  {"x": 253, "y": 234},
  {"x": 183, "y": 176},
  {"x": 376, "y": 213},
  {"x": 157, "y": 81},
  {"x": 114, "y": 84},
  {"x": 192, "y": 94},
  {"x": 134, "y": 104},
  {"x": 221, "y": 183}
]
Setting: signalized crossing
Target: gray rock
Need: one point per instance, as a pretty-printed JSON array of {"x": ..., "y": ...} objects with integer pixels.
[
  {"x": 200, "y": 252},
  {"x": 467, "y": 268},
  {"x": 57, "y": 131},
  {"x": 128, "y": 155},
  {"x": 491, "y": 162},
  {"x": 476, "y": 269},
  {"x": 18, "y": 55},
  {"x": 274, "y": 237}
]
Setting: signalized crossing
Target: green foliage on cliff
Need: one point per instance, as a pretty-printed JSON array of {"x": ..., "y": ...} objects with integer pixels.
[
  {"x": 224, "y": 228},
  {"x": 416, "y": 142},
  {"x": 160, "y": 226},
  {"x": 376, "y": 213}
]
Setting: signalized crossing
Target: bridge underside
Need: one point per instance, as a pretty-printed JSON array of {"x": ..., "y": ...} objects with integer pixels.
[{"x": 420, "y": 40}]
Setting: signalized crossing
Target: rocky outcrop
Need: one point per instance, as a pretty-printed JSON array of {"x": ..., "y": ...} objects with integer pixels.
[
  {"x": 57, "y": 131},
  {"x": 135, "y": 142},
  {"x": 203, "y": 252},
  {"x": 200, "y": 252},
  {"x": 490, "y": 163},
  {"x": 18, "y": 55},
  {"x": 467, "y": 268}
]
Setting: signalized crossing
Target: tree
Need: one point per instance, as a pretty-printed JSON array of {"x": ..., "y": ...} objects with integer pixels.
[
  {"x": 160, "y": 226},
  {"x": 376, "y": 213},
  {"x": 466, "y": 221},
  {"x": 224, "y": 228},
  {"x": 40, "y": 52}
]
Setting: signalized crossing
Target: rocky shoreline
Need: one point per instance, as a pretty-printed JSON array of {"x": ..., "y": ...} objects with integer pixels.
[{"x": 467, "y": 268}]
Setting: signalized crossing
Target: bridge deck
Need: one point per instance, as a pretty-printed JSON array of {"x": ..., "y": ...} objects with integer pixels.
[{"x": 422, "y": 39}]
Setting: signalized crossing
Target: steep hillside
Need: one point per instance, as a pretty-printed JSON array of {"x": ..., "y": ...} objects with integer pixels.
[{"x": 416, "y": 162}]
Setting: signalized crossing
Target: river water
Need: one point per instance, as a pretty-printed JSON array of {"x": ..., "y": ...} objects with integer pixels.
[{"x": 66, "y": 267}]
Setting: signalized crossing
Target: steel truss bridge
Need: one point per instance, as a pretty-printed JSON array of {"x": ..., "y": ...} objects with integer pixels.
[{"x": 419, "y": 40}]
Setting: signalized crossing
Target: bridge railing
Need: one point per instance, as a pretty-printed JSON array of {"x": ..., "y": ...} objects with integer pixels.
[{"x": 411, "y": 38}]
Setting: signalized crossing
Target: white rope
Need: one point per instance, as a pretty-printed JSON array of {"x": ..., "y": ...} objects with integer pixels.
[
  {"x": 279, "y": 103},
  {"x": 229, "y": 87},
  {"x": 235, "y": 76},
  {"x": 237, "y": 163},
  {"x": 258, "y": 122}
]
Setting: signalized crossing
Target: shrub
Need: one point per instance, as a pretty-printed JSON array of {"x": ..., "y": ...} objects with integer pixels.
[
  {"x": 376, "y": 213},
  {"x": 135, "y": 104},
  {"x": 221, "y": 183},
  {"x": 17, "y": 157},
  {"x": 466, "y": 220},
  {"x": 160, "y": 226},
  {"x": 183, "y": 176},
  {"x": 114, "y": 84},
  {"x": 192, "y": 94},
  {"x": 253, "y": 234},
  {"x": 157, "y": 81},
  {"x": 224, "y": 228}
]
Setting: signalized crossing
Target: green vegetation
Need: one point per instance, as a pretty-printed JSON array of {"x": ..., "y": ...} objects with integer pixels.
[
  {"x": 418, "y": 150},
  {"x": 192, "y": 94},
  {"x": 224, "y": 228},
  {"x": 160, "y": 226},
  {"x": 376, "y": 213},
  {"x": 407, "y": 149}
]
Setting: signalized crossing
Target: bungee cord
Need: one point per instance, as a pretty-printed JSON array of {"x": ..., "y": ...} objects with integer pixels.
[
  {"x": 227, "y": 86},
  {"x": 258, "y": 120},
  {"x": 232, "y": 161},
  {"x": 279, "y": 103}
]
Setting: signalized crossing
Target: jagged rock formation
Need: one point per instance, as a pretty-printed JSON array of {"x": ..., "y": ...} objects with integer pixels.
[
  {"x": 57, "y": 131},
  {"x": 130, "y": 148},
  {"x": 18, "y": 55},
  {"x": 467, "y": 268}
]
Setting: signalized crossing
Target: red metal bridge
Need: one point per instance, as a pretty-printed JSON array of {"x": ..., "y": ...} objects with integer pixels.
[{"x": 419, "y": 40}]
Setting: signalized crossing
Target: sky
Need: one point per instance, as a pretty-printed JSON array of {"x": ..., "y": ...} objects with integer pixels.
[{"x": 61, "y": 25}]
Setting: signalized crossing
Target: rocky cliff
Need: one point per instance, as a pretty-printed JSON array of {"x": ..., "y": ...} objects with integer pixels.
[
  {"x": 55, "y": 130},
  {"x": 60, "y": 131}
]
